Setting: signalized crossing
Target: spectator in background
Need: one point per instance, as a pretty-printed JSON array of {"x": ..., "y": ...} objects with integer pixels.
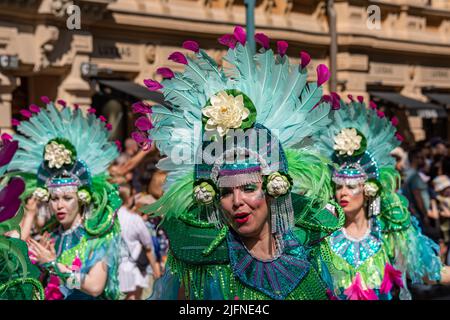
[
  {"x": 400, "y": 157},
  {"x": 416, "y": 191},
  {"x": 439, "y": 151},
  {"x": 131, "y": 148},
  {"x": 442, "y": 188},
  {"x": 133, "y": 277},
  {"x": 153, "y": 190}
]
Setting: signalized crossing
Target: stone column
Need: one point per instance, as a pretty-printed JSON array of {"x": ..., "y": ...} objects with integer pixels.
[
  {"x": 7, "y": 85},
  {"x": 74, "y": 88}
]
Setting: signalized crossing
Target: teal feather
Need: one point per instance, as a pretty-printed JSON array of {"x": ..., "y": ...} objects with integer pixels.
[
  {"x": 195, "y": 73},
  {"x": 208, "y": 64}
]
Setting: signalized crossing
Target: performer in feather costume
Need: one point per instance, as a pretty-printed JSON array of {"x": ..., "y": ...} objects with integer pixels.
[
  {"x": 19, "y": 278},
  {"x": 380, "y": 245},
  {"x": 236, "y": 147},
  {"x": 63, "y": 158}
]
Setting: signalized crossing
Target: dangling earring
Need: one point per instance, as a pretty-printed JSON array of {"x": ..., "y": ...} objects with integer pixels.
[
  {"x": 282, "y": 214},
  {"x": 375, "y": 207},
  {"x": 214, "y": 215}
]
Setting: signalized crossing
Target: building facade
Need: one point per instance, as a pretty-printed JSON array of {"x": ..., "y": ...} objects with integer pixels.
[{"x": 396, "y": 52}]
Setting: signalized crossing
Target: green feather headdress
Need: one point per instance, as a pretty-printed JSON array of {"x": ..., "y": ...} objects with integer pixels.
[
  {"x": 274, "y": 91},
  {"x": 64, "y": 148}
]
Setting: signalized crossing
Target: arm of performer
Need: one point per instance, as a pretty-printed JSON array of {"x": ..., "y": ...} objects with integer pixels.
[
  {"x": 93, "y": 283},
  {"x": 28, "y": 219},
  {"x": 153, "y": 263}
]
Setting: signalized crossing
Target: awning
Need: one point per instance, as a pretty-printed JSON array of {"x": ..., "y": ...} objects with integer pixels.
[
  {"x": 135, "y": 90},
  {"x": 442, "y": 98},
  {"x": 415, "y": 107}
]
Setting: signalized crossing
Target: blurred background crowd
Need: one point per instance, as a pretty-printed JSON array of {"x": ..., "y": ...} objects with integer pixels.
[{"x": 425, "y": 171}]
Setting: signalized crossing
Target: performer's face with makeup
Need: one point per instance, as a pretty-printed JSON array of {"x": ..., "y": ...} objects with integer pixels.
[
  {"x": 65, "y": 207},
  {"x": 246, "y": 209},
  {"x": 350, "y": 197}
]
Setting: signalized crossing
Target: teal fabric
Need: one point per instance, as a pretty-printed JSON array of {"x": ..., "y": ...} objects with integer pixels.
[
  {"x": 277, "y": 278},
  {"x": 357, "y": 252}
]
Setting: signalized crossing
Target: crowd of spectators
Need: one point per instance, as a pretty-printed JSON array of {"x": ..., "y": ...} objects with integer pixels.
[
  {"x": 145, "y": 244},
  {"x": 425, "y": 171}
]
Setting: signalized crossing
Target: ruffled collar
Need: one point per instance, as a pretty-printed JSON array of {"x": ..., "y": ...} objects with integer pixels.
[
  {"x": 357, "y": 251},
  {"x": 277, "y": 277},
  {"x": 65, "y": 240}
]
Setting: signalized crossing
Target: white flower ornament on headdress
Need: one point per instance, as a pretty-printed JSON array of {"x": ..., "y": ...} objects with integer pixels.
[
  {"x": 204, "y": 193},
  {"x": 41, "y": 194},
  {"x": 84, "y": 196},
  {"x": 57, "y": 155},
  {"x": 277, "y": 185},
  {"x": 225, "y": 112},
  {"x": 371, "y": 189},
  {"x": 347, "y": 141}
]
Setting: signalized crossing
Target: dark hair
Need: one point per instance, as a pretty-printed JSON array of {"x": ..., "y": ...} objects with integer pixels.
[{"x": 414, "y": 153}]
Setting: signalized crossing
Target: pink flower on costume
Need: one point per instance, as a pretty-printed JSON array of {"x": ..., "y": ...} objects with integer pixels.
[
  {"x": 52, "y": 291},
  {"x": 391, "y": 277},
  {"x": 356, "y": 292},
  {"x": 76, "y": 264}
]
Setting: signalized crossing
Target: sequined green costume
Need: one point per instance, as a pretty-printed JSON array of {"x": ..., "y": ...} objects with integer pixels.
[
  {"x": 359, "y": 141},
  {"x": 212, "y": 264},
  {"x": 63, "y": 150},
  {"x": 19, "y": 278}
]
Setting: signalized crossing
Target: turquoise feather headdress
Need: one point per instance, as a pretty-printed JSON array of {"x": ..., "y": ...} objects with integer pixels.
[
  {"x": 262, "y": 92},
  {"x": 359, "y": 141},
  {"x": 64, "y": 150}
]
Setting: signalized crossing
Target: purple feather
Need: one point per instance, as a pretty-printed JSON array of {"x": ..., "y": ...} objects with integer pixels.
[
  {"x": 26, "y": 113},
  {"x": 228, "y": 40},
  {"x": 108, "y": 127},
  {"x": 45, "y": 99},
  {"x": 153, "y": 85},
  {"x": 6, "y": 137},
  {"x": 399, "y": 137},
  {"x": 394, "y": 121},
  {"x": 304, "y": 56},
  {"x": 7, "y": 151},
  {"x": 335, "y": 101},
  {"x": 139, "y": 137},
  {"x": 166, "y": 73},
  {"x": 326, "y": 98},
  {"x": 9, "y": 199},
  {"x": 62, "y": 103},
  {"x": 282, "y": 47},
  {"x": 34, "y": 108},
  {"x": 92, "y": 110},
  {"x": 143, "y": 123},
  {"x": 380, "y": 114},
  {"x": 360, "y": 99},
  {"x": 373, "y": 105},
  {"x": 178, "y": 57},
  {"x": 350, "y": 97},
  {"x": 141, "y": 107},
  {"x": 240, "y": 35},
  {"x": 118, "y": 145},
  {"x": 323, "y": 74},
  {"x": 263, "y": 40},
  {"x": 15, "y": 122},
  {"x": 191, "y": 45}
]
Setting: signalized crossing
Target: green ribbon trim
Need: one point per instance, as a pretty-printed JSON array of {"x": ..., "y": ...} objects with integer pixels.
[
  {"x": 216, "y": 242},
  {"x": 38, "y": 292}
]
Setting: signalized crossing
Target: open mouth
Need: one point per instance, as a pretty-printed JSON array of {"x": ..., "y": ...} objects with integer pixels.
[
  {"x": 241, "y": 217},
  {"x": 343, "y": 203},
  {"x": 60, "y": 215}
]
